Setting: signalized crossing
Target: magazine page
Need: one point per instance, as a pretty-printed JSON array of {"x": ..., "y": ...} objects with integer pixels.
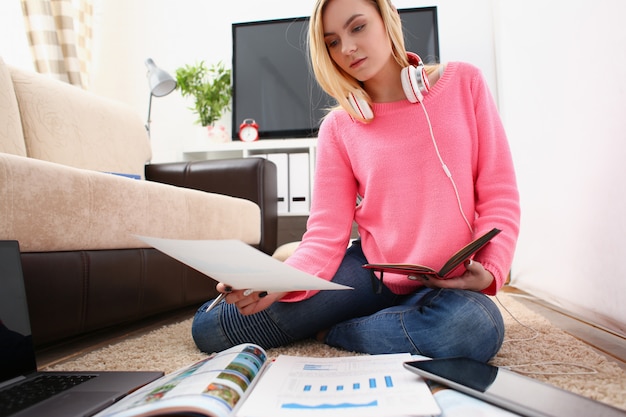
[
  {"x": 211, "y": 387},
  {"x": 364, "y": 386}
]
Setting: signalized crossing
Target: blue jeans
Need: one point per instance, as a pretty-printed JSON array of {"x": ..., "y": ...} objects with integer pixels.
[{"x": 429, "y": 322}]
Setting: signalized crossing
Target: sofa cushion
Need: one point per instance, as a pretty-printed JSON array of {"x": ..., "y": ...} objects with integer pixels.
[
  {"x": 52, "y": 207},
  {"x": 73, "y": 127},
  {"x": 11, "y": 138}
]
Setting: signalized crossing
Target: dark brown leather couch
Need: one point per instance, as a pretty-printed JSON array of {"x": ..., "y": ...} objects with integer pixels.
[{"x": 75, "y": 293}]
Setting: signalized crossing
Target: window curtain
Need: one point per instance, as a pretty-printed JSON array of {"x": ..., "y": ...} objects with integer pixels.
[{"x": 60, "y": 33}]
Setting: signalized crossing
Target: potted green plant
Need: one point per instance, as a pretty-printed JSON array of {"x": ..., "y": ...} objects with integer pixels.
[{"x": 210, "y": 87}]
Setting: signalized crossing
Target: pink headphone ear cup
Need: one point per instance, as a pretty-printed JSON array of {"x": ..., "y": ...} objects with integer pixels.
[{"x": 361, "y": 106}]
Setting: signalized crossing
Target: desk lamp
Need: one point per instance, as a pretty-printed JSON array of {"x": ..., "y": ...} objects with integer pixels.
[{"x": 161, "y": 84}]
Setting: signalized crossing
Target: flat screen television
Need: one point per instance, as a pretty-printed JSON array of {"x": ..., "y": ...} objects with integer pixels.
[{"x": 272, "y": 80}]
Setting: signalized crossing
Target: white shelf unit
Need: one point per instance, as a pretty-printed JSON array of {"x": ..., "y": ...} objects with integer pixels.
[{"x": 236, "y": 148}]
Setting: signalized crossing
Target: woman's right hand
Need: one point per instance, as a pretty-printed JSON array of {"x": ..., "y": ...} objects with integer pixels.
[{"x": 247, "y": 301}]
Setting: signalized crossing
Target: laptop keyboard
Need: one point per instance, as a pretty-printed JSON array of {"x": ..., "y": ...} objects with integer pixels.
[{"x": 33, "y": 391}]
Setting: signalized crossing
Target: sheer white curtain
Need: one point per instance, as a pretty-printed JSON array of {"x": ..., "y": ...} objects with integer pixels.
[{"x": 59, "y": 34}]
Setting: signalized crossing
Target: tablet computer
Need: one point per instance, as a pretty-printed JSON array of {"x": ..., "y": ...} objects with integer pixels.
[{"x": 509, "y": 390}]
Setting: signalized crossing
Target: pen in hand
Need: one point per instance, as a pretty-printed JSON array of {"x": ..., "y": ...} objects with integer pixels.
[
  {"x": 222, "y": 295},
  {"x": 215, "y": 302}
]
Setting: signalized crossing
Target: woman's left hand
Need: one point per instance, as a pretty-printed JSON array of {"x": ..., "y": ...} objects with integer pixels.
[{"x": 475, "y": 278}]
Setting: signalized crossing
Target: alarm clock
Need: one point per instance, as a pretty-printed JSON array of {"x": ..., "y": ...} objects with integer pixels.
[{"x": 249, "y": 130}]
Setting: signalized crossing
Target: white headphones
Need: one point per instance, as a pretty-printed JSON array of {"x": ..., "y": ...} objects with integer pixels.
[{"x": 414, "y": 83}]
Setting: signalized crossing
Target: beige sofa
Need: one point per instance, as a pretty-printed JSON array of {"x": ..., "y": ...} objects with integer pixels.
[{"x": 75, "y": 220}]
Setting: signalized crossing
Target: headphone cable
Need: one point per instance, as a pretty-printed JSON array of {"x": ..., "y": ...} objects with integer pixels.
[{"x": 446, "y": 170}]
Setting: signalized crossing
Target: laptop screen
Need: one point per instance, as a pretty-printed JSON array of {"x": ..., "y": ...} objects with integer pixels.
[{"x": 17, "y": 352}]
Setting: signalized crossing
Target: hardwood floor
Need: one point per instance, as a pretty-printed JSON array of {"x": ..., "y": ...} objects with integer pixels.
[{"x": 602, "y": 340}]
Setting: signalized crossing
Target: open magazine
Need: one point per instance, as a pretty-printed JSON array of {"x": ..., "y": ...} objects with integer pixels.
[
  {"x": 455, "y": 260},
  {"x": 243, "y": 382}
]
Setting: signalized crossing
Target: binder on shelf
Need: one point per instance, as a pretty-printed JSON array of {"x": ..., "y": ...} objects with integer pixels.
[
  {"x": 282, "y": 174},
  {"x": 299, "y": 190}
]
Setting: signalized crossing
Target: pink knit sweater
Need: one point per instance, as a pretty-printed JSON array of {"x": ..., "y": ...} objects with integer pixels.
[{"x": 409, "y": 212}]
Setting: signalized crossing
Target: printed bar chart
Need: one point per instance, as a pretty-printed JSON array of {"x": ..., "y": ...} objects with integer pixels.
[{"x": 372, "y": 383}]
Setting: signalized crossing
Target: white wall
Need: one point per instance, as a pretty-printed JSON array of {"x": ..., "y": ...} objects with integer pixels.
[{"x": 562, "y": 87}]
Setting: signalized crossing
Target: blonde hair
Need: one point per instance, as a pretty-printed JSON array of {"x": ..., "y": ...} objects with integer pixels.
[{"x": 332, "y": 79}]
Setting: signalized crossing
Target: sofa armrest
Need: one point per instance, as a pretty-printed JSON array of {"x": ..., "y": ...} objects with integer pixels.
[{"x": 253, "y": 179}]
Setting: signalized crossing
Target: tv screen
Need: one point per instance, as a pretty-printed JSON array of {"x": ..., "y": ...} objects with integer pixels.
[{"x": 272, "y": 80}]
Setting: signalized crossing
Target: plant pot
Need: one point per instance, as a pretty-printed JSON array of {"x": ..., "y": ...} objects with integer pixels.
[{"x": 214, "y": 134}]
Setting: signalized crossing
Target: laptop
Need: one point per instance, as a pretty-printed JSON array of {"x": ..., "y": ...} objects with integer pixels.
[{"x": 25, "y": 391}]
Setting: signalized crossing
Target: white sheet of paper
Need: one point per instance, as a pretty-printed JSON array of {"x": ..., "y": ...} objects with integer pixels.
[{"x": 239, "y": 265}]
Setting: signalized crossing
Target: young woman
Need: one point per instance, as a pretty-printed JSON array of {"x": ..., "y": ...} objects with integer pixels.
[{"x": 420, "y": 161}]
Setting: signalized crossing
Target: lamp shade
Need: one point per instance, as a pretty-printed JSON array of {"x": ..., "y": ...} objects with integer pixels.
[{"x": 161, "y": 83}]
